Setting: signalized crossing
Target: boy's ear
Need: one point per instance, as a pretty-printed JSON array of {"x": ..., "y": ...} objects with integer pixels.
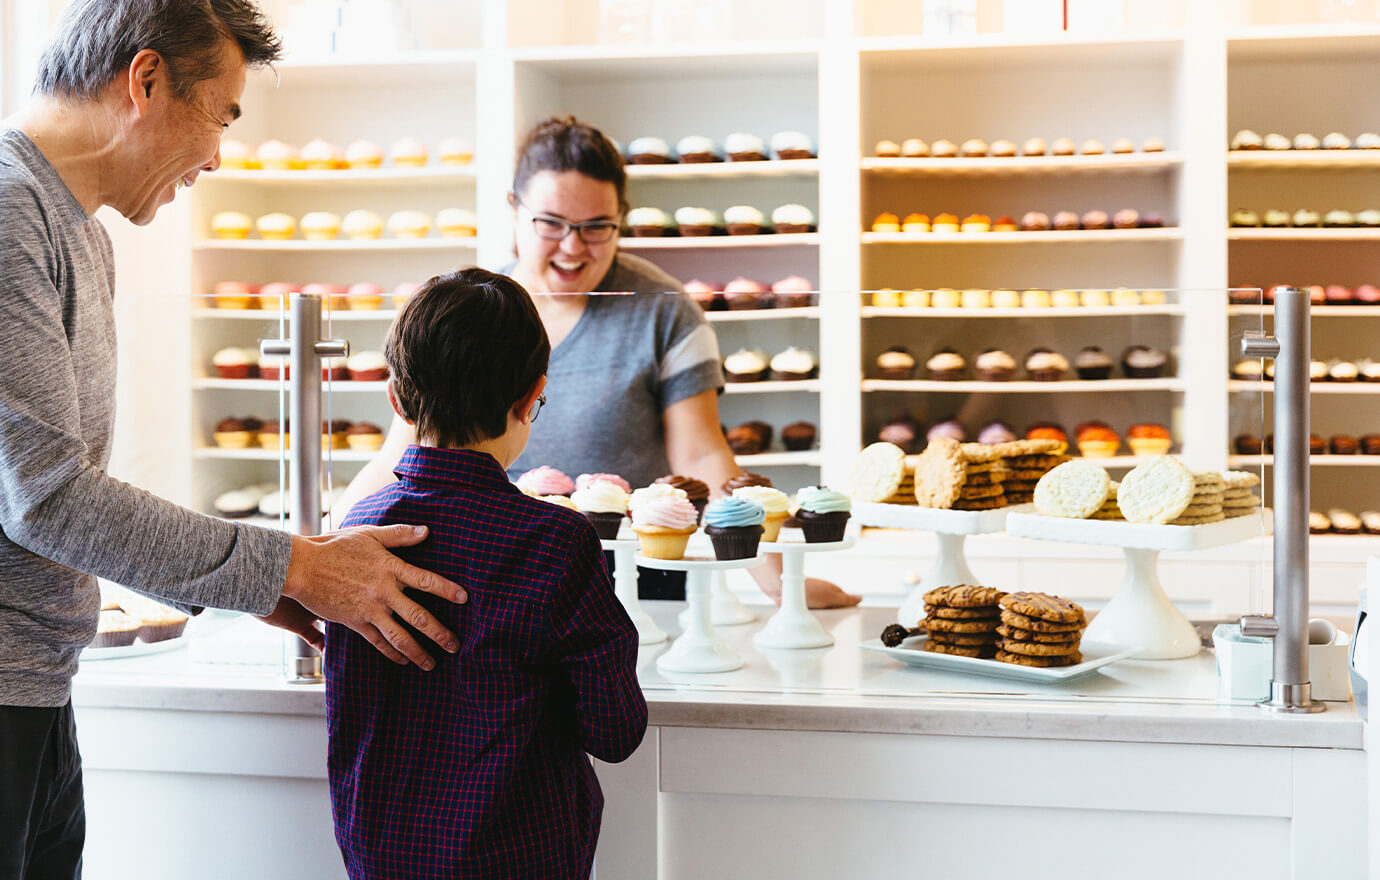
[
  {"x": 524, "y": 405},
  {"x": 393, "y": 402}
]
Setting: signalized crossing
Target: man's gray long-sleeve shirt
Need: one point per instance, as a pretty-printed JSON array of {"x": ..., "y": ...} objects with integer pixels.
[{"x": 63, "y": 520}]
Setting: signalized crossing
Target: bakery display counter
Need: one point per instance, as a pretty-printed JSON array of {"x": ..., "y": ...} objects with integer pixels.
[{"x": 888, "y": 758}]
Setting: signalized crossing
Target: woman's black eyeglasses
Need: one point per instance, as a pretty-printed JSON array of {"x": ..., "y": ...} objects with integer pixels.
[
  {"x": 556, "y": 229},
  {"x": 536, "y": 408}
]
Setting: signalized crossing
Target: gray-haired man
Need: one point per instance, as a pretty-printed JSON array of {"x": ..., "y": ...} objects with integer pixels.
[{"x": 131, "y": 100}]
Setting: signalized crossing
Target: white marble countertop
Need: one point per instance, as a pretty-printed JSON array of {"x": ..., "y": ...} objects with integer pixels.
[{"x": 840, "y": 688}]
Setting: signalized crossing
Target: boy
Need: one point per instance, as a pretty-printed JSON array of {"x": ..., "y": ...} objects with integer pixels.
[{"x": 478, "y": 768}]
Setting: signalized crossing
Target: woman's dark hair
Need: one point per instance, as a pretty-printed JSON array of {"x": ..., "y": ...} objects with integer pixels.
[
  {"x": 463, "y": 351},
  {"x": 97, "y": 39},
  {"x": 564, "y": 143}
]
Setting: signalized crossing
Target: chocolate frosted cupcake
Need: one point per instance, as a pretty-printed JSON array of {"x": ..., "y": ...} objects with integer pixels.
[
  {"x": 896, "y": 363},
  {"x": 994, "y": 365},
  {"x": 1343, "y": 444},
  {"x": 798, "y": 436},
  {"x": 763, "y": 430},
  {"x": 696, "y": 491},
  {"x": 1043, "y": 365},
  {"x": 743, "y": 480},
  {"x": 822, "y": 513},
  {"x": 1370, "y": 444},
  {"x": 1143, "y": 362},
  {"x": 946, "y": 365},
  {"x": 734, "y": 525},
  {"x": 1092, "y": 363},
  {"x": 744, "y": 440}
]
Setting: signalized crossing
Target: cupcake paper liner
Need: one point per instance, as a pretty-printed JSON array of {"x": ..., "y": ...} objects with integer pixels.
[
  {"x": 605, "y": 524},
  {"x": 735, "y": 542},
  {"x": 822, "y": 528}
]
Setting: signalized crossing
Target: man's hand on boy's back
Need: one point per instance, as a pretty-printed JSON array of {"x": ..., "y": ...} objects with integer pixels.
[{"x": 349, "y": 577}]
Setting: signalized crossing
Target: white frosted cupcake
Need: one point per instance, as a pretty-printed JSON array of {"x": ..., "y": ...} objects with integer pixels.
[
  {"x": 697, "y": 150},
  {"x": 744, "y": 220},
  {"x": 793, "y": 218},
  {"x": 695, "y": 221},
  {"x": 648, "y": 222},
  {"x": 743, "y": 147},
  {"x": 792, "y": 145}
]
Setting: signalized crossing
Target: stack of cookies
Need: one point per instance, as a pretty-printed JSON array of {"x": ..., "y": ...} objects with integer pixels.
[
  {"x": 962, "y": 620},
  {"x": 1237, "y": 497},
  {"x": 980, "y": 476},
  {"x": 883, "y": 473},
  {"x": 1021, "y": 470},
  {"x": 1109, "y": 509},
  {"x": 1206, "y": 504},
  {"x": 1037, "y": 629}
]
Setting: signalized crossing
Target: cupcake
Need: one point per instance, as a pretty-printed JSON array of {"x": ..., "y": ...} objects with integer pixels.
[
  {"x": 276, "y": 226},
  {"x": 745, "y": 220},
  {"x": 774, "y": 503},
  {"x": 697, "y": 222},
  {"x": 1367, "y": 140},
  {"x": 1318, "y": 523},
  {"x": 1121, "y": 146},
  {"x": 973, "y": 148},
  {"x": 1049, "y": 431},
  {"x": 402, "y": 292},
  {"x": 233, "y": 433},
  {"x": 1063, "y": 147},
  {"x": 1276, "y": 141},
  {"x": 886, "y": 149},
  {"x": 1248, "y": 370},
  {"x": 709, "y": 297},
  {"x": 364, "y": 296},
  {"x": 792, "y": 145},
  {"x": 364, "y": 437},
  {"x": 651, "y": 493},
  {"x": 822, "y": 513},
  {"x": 976, "y": 298},
  {"x": 1247, "y": 444},
  {"x": 664, "y": 526},
  {"x": 1245, "y": 139},
  {"x": 1003, "y": 149},
  {"x": 650, "y": 223},
  {"x": 1092, "y": 363},
  {"x": 233, "y": 363},
  {"x": 545, "y": 480},
  {"x": 1307, "y": 217},
  {"x": 944, "y": 149},
  {"x": 408, "y": 152},
  {"x": 1097, "y": 440},
  {"x": 1006, "y": 299},
  {"x": 1035, "y": 221},
  {"x": 1151, "y": 220},
  {"x": 740, "y": 480},
  {"x": 746, "y": 366},
  {"x": 946, "y": 366},
  {"x": 234, "y": 295},
  {"x": 115, "y": 629},
  {"x": 1004, "y": 223},
  {"x": 1149, "y": 438},
  {"x": 363, "y": 154},
  {"x": 1092, "y": 147},
  {"x": 994, "y": 365},
  {"x": 1344, "y": 522},
  {"x": 744, "y": 440},
  {"x": 278, "y": 156},
  {"x": 886, "y": 222},
  {"x": 362, "y": 225},
  {"x": 604, "y": 504},
  {"x": 1066, "y": 299},
  {"x": 996, "y": 432},
  {"x": 914, "y": 148},
  {"x": 274, "y": 367},
  {"x": 945, "y": 222},
  {"x": 1094, "y": 298},
  {"x": 1095, "y": 220},
  {"x": 795, "y": 364},
  {"x": 1305, "y": 141},
  {"x": 335, "y": 434},
  {"x": 409, "y": 224},
  {"x": 1343, "y": 444},
  {"x": 949, "y": 428},
  {"x": 1035, "y": 299},
  {"x": 798, "y": 436},
  {"x": 1152, "y": 145},
  {"x": 697, "y": 150},
  {"x": 1143, "y": 362},
  {"x": 744, "y": 293},
  {"x": 320, "y": 155},
  {"x": 1124, "y": 296},
  {"x": 1335, "y": 140},
  {"x": 793, "y": 291},
  {"x": 455, "y": 151},
  {"x": 1066, "y": 221},
  {"x": 276, "y": 295},
  {"x": 1343, "y": 371},
  {"x": 1043, "y": 365},
  {"x": 236, "y": 504},
  {"x": 743, "y": 147},
  {"x": 697, "y": 491},
  {"x": 735, "y": 526},
  {"x": 1275, "y": 218},
  {"x": 915, "y": 223},
  {"x": 274, "y": 434},
  {"x": 1338, "y": 219},
  {"x": 886, "y": 298},
  {"x": 902, "y": 431},
  {"x": 237, "y": 156},
  {"x": 650, "y": 151},
  {"x": 1034, "y": 147},
  {"x": 367, "y": 366},
  {"x": 231, "y": 225},
  {"x": 793, "y": 218},
  {"x": 457, "y": 223},
  {"x": 976, "y": 223}
]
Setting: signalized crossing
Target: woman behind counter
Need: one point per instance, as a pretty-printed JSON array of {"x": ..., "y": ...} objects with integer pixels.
[{"x": 634, "y": 380}]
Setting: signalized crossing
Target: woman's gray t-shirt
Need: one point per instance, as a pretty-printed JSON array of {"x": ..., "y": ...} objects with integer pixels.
[{"x": 630, "y": 356}]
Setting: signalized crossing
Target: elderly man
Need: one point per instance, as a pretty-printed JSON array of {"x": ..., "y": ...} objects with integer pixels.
[{"x": 132, "y": 97}]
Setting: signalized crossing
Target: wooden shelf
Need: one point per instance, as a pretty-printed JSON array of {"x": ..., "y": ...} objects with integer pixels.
[
  {"x": 1304, "y": 234},
  {"x": 1066, "y": 386},
  {"x": 302, "y": 245},
  {"x": 714, "y": 242},
  {"x": 1014, "y": 166},
  {"x": 725, "y": 170},
  {"x": 771, "y": 387},
  {"x": 1302, "y": 160},
  {"x": 810, "y": 458},
  {"x": 431, "y": 175},
  {"x": 1075, "y": 312},
  {"x": 1313, "y": 460},
  {"x": 1099, "y": 236},
  {"x": 730, "y": 317},
  {"x": 1245, "y": 386}
]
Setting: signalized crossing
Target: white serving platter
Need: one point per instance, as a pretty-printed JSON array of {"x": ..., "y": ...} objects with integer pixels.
[
  {"x": 1095, "y": 656},
  {"x": 138, "y": 649},
  {"x": 1140, "y": 536},
  {"x": 931, "y": 519}
]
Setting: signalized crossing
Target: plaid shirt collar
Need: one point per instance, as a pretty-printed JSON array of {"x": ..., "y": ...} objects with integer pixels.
[{"x": 458, "y": 468}]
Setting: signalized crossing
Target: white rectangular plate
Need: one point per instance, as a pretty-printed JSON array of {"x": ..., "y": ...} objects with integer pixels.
[
  {"x": 1143, "y": 536},
  {"x": 930, "y": 519},
  {"x": 138, "y": 649},
  {"x": 1095, "y": 656}
]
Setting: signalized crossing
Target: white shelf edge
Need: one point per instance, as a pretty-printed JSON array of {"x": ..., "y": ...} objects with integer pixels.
[
  {"x": 870, "y": 45},
  {"x": 674, "y": 242},
  {"x": 1067, "y": 386},
  {"x": 725, "y": 170},
  {"x": 1357, "y": 460},
  {"x": 1315, "y": 311},
  {"x": 773, "y": 387},
  {"x": 1099, "y": 236},
  {"x": 596, "y": 53},
  {"x": 214, "y": 314},
  {"x": 301, "y": 245},
  {"x": 809, "y": 458},
  {"x": 1024, "y": 165},
  {"x": 213, "y": 453},
  {"x": 1238, "y": 233},
  {"x": 207, "y": 384},
  {"x": 431, "y": 174},
  {"x": 1051, "y": 312},
  {"x": 732, "y": 316},
  {"x": 1250, "y": 386},
  {"x": 1301, "y": 160}
]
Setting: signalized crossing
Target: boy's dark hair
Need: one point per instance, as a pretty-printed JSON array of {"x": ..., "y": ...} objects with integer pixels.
[
  {"x": 564, "y": 143},
  {"x": 463, "y": 351},
  {"x": 97, "y": 39}
]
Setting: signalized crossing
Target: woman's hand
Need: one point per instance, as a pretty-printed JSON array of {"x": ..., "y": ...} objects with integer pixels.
[{"x": 820, "y": 593}]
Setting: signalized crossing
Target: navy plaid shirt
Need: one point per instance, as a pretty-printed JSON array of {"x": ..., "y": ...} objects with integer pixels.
[{"x": 478, "y": 768}]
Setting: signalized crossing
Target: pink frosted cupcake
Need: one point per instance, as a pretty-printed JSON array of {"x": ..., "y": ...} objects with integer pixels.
[
  {"x": 664, "y": 526},
  {"x": 744, "y": 293},
  {"x": 584, "y": 480},
  {"x": 792, "y": 292},
  {"x": 546, "y": 480},
  {"x": 710, "y": 298}
]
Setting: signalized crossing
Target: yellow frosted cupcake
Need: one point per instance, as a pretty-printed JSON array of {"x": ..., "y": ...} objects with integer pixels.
[
  {"x": 456, "y": 151},
  {"x": 363, "y": 154},
  {"x": 408, "y": 153},
  {"x": 278, "y": 156},
  {"x": 456, "y": 223},
  {"x": 402, "y": 292},
  {"x": 320, "y": 225},
  {"x": 409, "y": 224},
  {"x": 886, "y": 298},
  {"x": 1065, "y": 299},
  {"x": 276, "y": 226},
  {"x": 915, "y": 299},
  {"x": 364, "y": 296},
  {"x": 362, "y": 225},
  {"x": 322, "y": 155},
  {"x": 773, "y": 501},
  {"x": 1006, "y": 299},
  {"x": 237, "y": 156},
  {"x": 231, "y": 225},
  {"x": 946, "y": 298},
  {"x": 664, "y": 526}
]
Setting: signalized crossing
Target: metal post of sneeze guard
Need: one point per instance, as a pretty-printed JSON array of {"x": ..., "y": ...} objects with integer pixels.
[
  {"x": 305, "y": 348},
  {"x": 1290, "y": 689}
]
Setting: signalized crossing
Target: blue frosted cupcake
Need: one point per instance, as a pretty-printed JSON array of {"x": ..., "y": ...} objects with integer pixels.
[
  {"x": 822, "y": 513},
  {"x": 735, "y": 527}
]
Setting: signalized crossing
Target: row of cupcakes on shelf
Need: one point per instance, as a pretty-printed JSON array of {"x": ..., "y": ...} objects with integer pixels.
[
  {"x": 793, "y": 291},
  {"x": 362, "y": 295},
  {"x": 755, "y": 437},
  {"x": 1318, "y": 294},
  {"x": 1031, "y": 221},
  {"x": 691, "y": 221},
  {"x": 1334, "y": 370},
  {"x": 1337, "y": 444},
  {"x": 973, "y": 148},
  {"x": 1277, "y": 218},
  {"x": 357, "y": 225},
  {"x": 737, "y": 147},
  {"x": 1041, "y": 364},
  {"x": 792, "y": 364},
  {"x": 1094, "y": 438},
  {"x": 267, "y": 500},
  {"x": 248, "y": 432},
  {"x": 667, "y": 512},
  {"x": 1245, "y": 139},
  {"x": 981, "y": 298},
  {"x": 234, "y": 362},
  {"x": 322, "y": 155}
]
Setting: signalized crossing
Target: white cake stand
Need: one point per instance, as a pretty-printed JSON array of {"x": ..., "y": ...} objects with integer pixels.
[
  {"x": 1140, "y": 615},
  {"x": 625, "y": 588},
  {"x": 699, "y": 649},
  {"x": 793, "y": 626},
  {"x": 724, "y": 607},
  {"x": 951, "y": 528}
]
